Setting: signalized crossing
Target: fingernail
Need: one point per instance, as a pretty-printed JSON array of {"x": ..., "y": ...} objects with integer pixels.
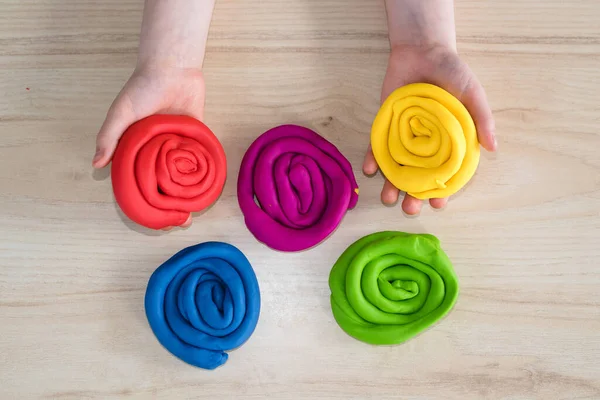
[
  {"x": 495, "y": 143},
  {"x": 97, "y": 156}
]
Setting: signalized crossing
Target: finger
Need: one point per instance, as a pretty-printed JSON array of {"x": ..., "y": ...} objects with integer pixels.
[
  {"x": 438, "y": 203},
  {"x": 187, "y": 222},
  {"x": 117, "y": 121},
  {"x": 370, "y": 165},
  {"x": 389, "y": 193},
  {"x": 411, "y": 205},
  {"x": 476, "y": 102}
]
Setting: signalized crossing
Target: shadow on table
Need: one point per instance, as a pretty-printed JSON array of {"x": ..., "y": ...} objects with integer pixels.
[{"x": 153, "y": 232}]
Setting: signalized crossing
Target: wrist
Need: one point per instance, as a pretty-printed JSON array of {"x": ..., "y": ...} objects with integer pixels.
[
  {"x": 397, "y": 49},
  {"x": 171, "y": 53},
  {"x": 164, "y": 65},
  {"x": 424, "y": 25},
  {"x": 421, "y": 43},
  {"x": 174, "y": 34},
  {"x": 157, "y": 70}
]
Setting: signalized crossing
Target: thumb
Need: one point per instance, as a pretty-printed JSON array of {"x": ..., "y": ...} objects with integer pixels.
[
  {"x": 118, "y": 119},
  {"x": 475, "y": 100}
]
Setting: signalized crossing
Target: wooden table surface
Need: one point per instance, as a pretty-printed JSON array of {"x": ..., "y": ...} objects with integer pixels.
[{"x": 524, "y": 236}]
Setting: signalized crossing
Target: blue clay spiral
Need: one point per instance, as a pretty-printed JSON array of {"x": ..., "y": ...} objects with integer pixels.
[{"x": 202, "y": 302}]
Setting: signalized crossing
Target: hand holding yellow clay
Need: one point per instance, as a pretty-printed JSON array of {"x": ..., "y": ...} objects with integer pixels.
[
  {"x": 425, "y": 141},
  {"x": 423, "y": 48}
]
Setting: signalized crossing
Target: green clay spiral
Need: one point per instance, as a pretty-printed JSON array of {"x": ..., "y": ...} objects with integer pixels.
[{"x": 389, "y": 286}]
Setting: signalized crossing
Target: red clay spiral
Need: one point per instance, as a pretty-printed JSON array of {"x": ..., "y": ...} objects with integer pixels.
[{"x": 166, "y": 167}]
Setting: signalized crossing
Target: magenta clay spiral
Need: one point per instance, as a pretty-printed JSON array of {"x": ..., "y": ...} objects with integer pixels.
[{"x": 294, "y": 188}]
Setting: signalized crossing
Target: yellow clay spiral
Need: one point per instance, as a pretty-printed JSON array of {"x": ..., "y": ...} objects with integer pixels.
[{"x": 424, "y": 141}]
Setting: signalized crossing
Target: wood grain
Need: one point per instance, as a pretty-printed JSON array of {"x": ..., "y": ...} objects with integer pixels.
[{"x": 523, "y": 236}]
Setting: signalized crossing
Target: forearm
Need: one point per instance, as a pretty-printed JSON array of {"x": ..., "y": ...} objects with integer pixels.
[
  {"x": 421, "y": 23},
  {"x": 174, "y": 33}
]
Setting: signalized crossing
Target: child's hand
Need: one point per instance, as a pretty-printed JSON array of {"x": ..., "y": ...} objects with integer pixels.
[
  {"x": 424, "y": 51},
  {"x": 148, "y": 92},
  {"x": 168, "y": 78}
]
